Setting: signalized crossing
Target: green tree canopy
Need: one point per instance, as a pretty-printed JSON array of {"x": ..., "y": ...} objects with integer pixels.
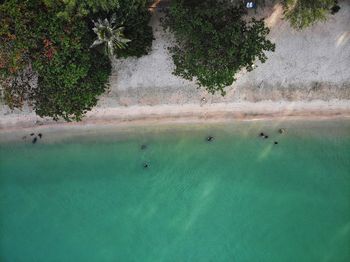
[
  {"x": 82, "y": 7},
  {"x": 304, "y": 13},
  {"x": 134, "y": 16},
  {"x": 214, "y": 42},
  {"x": 37, "y": 40},
  {"x": 70, "y": 75}
]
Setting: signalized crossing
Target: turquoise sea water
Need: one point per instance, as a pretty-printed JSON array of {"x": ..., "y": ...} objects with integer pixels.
[{"x": 238, "y": 198}]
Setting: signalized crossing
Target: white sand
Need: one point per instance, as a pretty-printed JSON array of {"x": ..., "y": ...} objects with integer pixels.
[
  {"x": 307, "y": 65},
  {"x": 189, "y": 113}
]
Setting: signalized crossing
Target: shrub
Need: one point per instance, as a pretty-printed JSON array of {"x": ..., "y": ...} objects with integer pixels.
[
  {"x": 82, "y": 8},
  {"x": 70, "y": 75},
  {"x": 213, "y": 42},
  {"x": 131, "y": 14},
  {"x": 16, "y": 43},
  {"x": 304, "y": 13},
  {"x": 51, "y": 40},
  {"x": 70, "y": 90},
  {"x": 140, "y": 33}
]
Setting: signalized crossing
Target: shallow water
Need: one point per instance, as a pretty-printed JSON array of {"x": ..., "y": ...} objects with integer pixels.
[{"x": 238, "y": 198}]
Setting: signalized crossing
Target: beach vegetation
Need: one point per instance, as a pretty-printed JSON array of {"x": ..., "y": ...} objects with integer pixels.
[
  {"x": 214, "y": 42},
  {"x": 133, "y": 15},
  {"x": 305, "y": 13},
  {"x": 46, "y": 59},
  {"x": 82, "y": 8}
]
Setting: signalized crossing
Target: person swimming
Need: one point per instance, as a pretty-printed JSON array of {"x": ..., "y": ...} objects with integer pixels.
[
  {"x": 145, "y": 165},
  {"x": 210, "y": 138},
  {"x": 34, "y": 140},
  {"x": 266, "y": 136},
  {"x": 275, "y": 142},
  {"x": 40, "y": 135},
  {"x": 282, "y": 130},
  {"x": 262, "y": 134}
]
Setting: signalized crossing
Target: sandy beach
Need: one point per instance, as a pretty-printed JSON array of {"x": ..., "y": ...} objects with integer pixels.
[
  {"x": 308, "y": 76},
  {"x": 197, "y": 113}
]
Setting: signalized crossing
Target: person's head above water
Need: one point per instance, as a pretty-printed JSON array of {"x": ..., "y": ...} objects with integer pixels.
[{"x": 210, "y": 138}]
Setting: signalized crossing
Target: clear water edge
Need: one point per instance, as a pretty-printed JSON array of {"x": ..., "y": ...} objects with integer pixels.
[{"x": 240, "y": 198}]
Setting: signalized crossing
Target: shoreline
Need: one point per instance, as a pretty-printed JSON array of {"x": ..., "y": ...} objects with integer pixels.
[
  {"x": 312, "y": 83},
  {"x": 187, "y": 113}
]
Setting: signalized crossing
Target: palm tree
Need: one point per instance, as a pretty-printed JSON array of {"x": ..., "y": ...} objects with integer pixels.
[{"x": 110, "y": 34}]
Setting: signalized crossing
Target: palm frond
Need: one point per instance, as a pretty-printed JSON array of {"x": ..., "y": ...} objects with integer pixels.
[
  {"x": 96, "y": 43},
  {"x": 109, "y": 34}
]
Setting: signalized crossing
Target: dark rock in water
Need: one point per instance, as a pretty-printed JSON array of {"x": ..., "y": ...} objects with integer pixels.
[
  {"x": 40, "y": 135},
  {"x": 210, "y": 138},
  {"x": 34, "y": 140},
  {"x": 266, "y": 137},
  {"x": 145, "y": 165},
  {"x": 275, "y": 142},
  {"x": 32, "y": 134},
  {"x": 143, "y": 147}
]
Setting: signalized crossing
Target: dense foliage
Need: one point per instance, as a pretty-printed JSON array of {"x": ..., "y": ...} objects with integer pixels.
[
  {"x": 304, "y": 13},
  {"x": 134, "y": 16},
  {"x": 73, "y": 76},
  {"x": 37, "y": 41},
  {"x": 82, "y": 8},
  {"x": 214, "y": 42},
  {"x": 131, "y": 14}
]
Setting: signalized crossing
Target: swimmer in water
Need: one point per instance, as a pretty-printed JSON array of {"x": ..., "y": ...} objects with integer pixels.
[{"x": 210, "y": 138}]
